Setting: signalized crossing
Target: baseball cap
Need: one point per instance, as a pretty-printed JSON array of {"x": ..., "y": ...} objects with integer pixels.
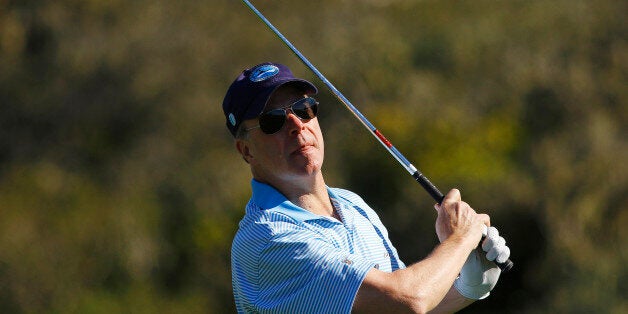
[{"x": 248, "y": 94}]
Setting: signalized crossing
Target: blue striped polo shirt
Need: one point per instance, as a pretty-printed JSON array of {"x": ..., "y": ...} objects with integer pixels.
[{"x": 286, "y": 259}]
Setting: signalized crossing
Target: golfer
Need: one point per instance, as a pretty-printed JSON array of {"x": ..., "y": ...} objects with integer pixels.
[{"x": 305, "y": 247}]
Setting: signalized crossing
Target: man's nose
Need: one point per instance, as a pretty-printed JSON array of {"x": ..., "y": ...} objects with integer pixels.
[{"x": 293, "y": 123}]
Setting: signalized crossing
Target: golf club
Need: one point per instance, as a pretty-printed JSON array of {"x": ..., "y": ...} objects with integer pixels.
[{"x": 416, "y": 174}]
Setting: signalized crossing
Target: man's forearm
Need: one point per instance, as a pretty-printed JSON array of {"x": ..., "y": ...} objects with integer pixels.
[
  {"x": 432, "y": 278},
  {"x": 452, "y": 302},
  {"x": 420, "y": 287}
]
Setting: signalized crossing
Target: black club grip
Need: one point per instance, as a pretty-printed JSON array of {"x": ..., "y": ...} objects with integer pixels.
[{"x": 505, "y": 266}]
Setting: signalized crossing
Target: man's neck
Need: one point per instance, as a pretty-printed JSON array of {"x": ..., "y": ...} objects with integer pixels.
[{"x": 308, "y": 193}]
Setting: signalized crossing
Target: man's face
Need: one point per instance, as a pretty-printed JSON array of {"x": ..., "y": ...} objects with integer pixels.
[{"x": 295, "y": 151}]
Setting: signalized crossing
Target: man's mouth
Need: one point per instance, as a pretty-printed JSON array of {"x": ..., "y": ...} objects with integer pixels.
[{"x": 303, "y": 148}]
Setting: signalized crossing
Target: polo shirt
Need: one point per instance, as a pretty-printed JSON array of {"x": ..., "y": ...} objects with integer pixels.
[{"x": 286, "y": 259}]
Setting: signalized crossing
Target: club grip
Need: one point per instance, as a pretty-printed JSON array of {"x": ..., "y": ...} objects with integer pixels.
[
  {"x": 505, "y": 266},
  {"x": 436, "y": 194},
  {"x": 431, "y": 189}
]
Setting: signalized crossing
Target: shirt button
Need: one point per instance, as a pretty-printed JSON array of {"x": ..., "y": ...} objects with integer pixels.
[
  {"x": 347, "y": 261},
  {"x": 376, "y": 266}
]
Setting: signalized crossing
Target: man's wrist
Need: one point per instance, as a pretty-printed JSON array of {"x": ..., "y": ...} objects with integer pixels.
[{"x": 466, "y": 242}]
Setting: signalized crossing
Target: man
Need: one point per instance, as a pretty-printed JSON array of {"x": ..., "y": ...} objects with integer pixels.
[{"x": 303, "y": 247}]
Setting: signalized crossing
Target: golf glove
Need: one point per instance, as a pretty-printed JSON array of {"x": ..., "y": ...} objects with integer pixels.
[{"x": 479, "y": 274}]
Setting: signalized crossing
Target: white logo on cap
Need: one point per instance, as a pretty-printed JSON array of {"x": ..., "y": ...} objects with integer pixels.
[
  {"x": 232, "y": 119},
  {"x": 263, "y": 72}
]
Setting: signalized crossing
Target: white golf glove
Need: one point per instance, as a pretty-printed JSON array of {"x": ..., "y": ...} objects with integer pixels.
[{"x": 479, "y": 274}]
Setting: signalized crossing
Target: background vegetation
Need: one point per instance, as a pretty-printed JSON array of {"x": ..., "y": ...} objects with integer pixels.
[{"x": 120, "y": 189}]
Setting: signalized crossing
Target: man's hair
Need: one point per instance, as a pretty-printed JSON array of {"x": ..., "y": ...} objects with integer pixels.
[{"x": 241, "y": 133}]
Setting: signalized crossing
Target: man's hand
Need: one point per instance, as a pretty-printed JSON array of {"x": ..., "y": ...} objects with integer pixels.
[
  {"x": 479, "y": 274},
  {"x": 495, "y": 246},
  {"x": 427, "y": 285},
  {"x": 456, "y": 218}
]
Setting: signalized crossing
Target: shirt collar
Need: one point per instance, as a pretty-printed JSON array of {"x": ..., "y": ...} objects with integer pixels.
[{"x": 270, "y": 199}]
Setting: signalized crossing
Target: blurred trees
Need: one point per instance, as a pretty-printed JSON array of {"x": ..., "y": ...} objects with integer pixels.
[{"x": 120, "y": 190}]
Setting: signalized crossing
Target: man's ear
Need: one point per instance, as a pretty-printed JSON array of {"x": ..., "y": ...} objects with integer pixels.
[{"x": 243, "y": 148}]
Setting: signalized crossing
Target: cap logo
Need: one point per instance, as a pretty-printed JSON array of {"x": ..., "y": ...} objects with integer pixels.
[
  {"x": 263, "y": 72},
  {"x": 232, "y": 119}
]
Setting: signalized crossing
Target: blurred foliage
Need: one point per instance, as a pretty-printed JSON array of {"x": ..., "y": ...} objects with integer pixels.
[{"x": 120, "y": 190}]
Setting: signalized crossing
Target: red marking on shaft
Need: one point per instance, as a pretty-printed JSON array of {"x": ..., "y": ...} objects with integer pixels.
[{"x": 382, "y": 138}]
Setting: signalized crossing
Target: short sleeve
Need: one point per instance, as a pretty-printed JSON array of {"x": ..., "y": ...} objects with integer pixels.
[{"x": 301, "y": 272}]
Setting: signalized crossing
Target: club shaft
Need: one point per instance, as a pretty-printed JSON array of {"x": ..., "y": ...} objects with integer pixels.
[{"x": 431, "y": 189}]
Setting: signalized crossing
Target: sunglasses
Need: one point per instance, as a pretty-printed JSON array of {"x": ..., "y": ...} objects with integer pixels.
[{"x": 272, "y": 121}]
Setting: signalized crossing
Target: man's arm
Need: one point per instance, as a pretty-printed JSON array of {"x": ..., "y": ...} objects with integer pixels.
[
  {"x": 427, "y": 285},
  {"x": 452, "y": 302},
  {"x": 419, "y": 288}
]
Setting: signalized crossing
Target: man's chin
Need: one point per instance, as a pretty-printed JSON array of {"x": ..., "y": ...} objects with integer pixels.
[{"x": 308, "y": 166}]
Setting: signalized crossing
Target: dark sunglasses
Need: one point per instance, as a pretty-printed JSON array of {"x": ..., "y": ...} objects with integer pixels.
[{"x": 272, "y": 121}]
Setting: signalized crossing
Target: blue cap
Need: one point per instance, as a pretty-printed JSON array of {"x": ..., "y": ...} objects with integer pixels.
[{"x": 248, "y": 94}]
